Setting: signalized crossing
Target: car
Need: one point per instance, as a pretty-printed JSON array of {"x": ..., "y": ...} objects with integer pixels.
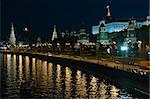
[
  {"x": 49, "y": 54},
  {"x": 117, "y": 62},
  {"x": 146, "y": 67},
  {"x": 131, "y": 63},
  {"x": 136, "y": 64}
]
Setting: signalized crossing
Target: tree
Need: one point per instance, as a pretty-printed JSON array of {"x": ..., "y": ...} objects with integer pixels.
[{"x": 143, "y": 34}]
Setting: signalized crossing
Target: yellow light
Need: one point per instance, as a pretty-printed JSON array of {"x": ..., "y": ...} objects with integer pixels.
[
  {"x": 20, "y": 68},
  {"x": 26, "y": 29}
]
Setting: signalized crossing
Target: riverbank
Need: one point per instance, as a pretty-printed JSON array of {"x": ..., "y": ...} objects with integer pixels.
[
  {"x": 120, "y": 72},
  {"x": 102, "y": 61}
]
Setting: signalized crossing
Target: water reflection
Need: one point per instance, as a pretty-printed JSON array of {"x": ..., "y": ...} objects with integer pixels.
[
  {"x": 5, "y": 59},
  {"x": 20, "y": 68},
  {"x": 27, "y": 70},
  {"x": 58, "y": 81},
  {"x": 33, "y": 68},
  {"x": 114, "y": 92},
  {"x": 68, "y": 83},
  {"x": 102, "y": 90},
  {"x": 94, "y": 88},
  {"x": 42, "y": 81},
  {"x": 12, "y": 88},
  {"x": 35, "y": 78},
  {"x": 50, "y": 79},
  {"x": 81, "y": 85}
]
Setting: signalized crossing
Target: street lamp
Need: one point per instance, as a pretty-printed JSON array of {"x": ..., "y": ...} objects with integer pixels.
[{"x": 124, "y": 48}]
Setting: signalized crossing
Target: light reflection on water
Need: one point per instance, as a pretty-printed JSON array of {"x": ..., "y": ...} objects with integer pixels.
[
  {"x": 32, "y": 77},
  {"x": 58, "y": 80},
  {"x": 94, "y": 87},
  {"x": 20, "y": 68},
  {"x": 12, "y": 85},
  {"x": 27, "y": 70},
  {"x": 33, "y": 69},
  {"x": 68, "y": 82}
]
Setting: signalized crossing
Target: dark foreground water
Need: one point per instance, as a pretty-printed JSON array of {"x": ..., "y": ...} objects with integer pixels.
[{"x": 26, "y": 77}]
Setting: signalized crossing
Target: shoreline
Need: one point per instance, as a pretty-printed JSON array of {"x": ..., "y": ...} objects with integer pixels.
[
  {"x": 102, "y": 62},
  {"x": 96, "y": 66}
]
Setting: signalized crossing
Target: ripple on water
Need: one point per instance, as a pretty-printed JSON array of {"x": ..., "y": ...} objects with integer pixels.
[{"x": 30, "y": 77}]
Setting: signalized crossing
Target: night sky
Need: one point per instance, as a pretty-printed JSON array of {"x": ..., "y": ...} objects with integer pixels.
[{"x": 41, "y": 15}]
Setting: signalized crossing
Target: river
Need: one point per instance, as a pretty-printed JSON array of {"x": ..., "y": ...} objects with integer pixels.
[{"x": 29, "y": 77}]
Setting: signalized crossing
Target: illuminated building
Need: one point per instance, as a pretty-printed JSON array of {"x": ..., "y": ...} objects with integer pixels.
[
  {"x": 130, "y": 41},
  {"x": 84, "y": 37},
  {"x": 12, "y": 38},
  {"x": 147, "y": 22},
  {"x": 63, "y": 34},
  {"x": 103, "y": 37},
  {"x": 54, "y": 35},
  {"x": 113, "y": 25},
  {"x": 38, "y": 42},
  {"x": 69, "y": 34},
  {"x": 131, "y": 34}
]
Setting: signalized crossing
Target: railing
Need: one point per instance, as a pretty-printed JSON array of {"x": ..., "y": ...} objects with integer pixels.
[{"x": 120, "y": 66}]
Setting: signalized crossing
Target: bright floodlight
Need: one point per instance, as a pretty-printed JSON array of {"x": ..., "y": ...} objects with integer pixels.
[
  {"x": 124, "y": 48},
  {"x": 108, "y": 50},
  {"x": 26, "y": 29}
]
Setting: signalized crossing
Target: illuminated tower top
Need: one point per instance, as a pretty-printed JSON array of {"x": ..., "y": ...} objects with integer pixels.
[
  {"x": 12, "y": 38},
  {"x": 54, "y": 35},
  {"x": 108, "y": 10}
]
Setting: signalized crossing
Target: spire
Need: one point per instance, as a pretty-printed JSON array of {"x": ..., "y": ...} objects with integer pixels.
[
  {"x": 12, "y": 28},
  {"x": 108, "y": 10},
  {"x": 12, "y": 38},
  {"x": 54, "y": 35},
  {"x": 54, "y": 28}
]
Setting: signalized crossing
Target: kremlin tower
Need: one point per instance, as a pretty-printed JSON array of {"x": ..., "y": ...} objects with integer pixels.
[
  {"x": 12, "y": 38},
  {"x": 109, "y": 14},
  {"x": 54, "y": 35},
  {"x": 108, "y": 11},
  {"x": 131, "y": 33}
]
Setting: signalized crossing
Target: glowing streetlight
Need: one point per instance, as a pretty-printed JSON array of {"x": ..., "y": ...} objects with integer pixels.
[
  {"x": 26, "y": 29},
  {"x": 124, "y": 48}
]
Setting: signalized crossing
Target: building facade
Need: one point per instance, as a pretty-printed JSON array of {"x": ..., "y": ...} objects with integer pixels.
[
  {"x": 103, "y": 37},
  {"x": 131, "y": 33},
  {"x": 113, "y": 25},
  {"x": 84, "y": 37},
  {"x": 147, "y": 22}
]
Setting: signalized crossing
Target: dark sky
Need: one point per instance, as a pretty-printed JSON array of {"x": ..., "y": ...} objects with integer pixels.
[{"x": 41, "y": 15}]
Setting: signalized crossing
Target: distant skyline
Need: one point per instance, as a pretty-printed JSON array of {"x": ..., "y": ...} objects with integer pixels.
[{"x": 41, "y": 15}]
